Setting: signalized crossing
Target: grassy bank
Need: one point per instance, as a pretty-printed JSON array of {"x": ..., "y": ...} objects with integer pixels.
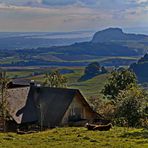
[{"x": 78, "y": 138}]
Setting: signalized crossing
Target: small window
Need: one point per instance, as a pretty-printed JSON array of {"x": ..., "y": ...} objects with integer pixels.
[{"x": 76, "y": 114}]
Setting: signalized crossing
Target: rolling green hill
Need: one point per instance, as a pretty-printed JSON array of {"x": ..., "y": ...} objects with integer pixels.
[{"x": 89, "y": 88}]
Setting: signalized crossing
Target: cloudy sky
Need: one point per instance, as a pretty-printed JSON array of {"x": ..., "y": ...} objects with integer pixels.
[{"x": 71, "y": 15}]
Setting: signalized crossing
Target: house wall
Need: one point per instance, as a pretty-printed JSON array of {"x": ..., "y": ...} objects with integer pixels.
[{"x": 77, "y": 106}]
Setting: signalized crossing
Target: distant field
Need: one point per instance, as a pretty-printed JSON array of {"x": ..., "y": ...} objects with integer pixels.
[
  {"x": 61, "y": 60},
  {"x": 73, "y": 137},
  {"x": 89, "y": 88}
]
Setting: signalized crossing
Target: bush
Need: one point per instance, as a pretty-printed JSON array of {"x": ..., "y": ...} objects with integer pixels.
[
  {"x": 130, "y": 106},
  {"x": 106, "y": 108}
]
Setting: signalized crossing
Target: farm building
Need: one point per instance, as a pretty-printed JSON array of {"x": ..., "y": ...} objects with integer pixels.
[{"x": 49, "y": 107}]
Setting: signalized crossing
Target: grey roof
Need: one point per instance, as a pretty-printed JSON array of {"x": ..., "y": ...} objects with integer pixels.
[
  {"x": 21, "y": 81},
  {"x": 15, "y": 83},
  {"x": 16, "y": 100},
  {"x": 29, "y": 104}
]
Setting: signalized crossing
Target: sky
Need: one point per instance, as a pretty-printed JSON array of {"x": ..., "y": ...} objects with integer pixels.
[{"x": 71, "y": 15}]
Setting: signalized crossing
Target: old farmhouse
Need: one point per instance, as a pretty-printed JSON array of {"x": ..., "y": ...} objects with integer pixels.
[{"x": 49, "y": 107}]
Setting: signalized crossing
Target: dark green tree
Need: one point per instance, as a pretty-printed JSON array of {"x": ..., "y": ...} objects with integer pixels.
[
  {"x": 92, "y": 70},
  {"x": 103, "y": 70},
  {"x": 118, "y": 81}
]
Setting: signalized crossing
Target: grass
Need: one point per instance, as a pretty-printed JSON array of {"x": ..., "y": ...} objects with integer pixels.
[
  {"x": 9, "y": 60},
  {"x": 89, "y": 88},
  {"x": 74, "y": 137},
  {"x": 52, "y": 57}
]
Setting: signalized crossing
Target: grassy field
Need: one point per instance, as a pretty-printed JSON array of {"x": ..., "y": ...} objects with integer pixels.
[
  {"x": 89, "y": 88},
  {"x": 72, "y": 137}
]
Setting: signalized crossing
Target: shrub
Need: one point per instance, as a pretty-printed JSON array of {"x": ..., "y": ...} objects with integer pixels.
[{"x": 130, "y": 106}]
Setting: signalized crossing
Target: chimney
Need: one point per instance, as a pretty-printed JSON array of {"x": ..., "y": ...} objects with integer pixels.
[
  {"x": 32, "y": 83},
  {"x": 38, "y": 87}
]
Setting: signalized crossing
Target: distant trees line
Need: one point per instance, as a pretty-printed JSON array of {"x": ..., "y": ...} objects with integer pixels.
[{"x": 43, "y": 63}]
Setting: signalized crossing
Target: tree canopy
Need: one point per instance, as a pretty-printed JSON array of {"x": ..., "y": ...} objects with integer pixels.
[
  {"x": 118, "y": 81},
  {"x": 92, "y": 70},
  {"x": 131, "y": 105},
  {"x": 55, "y": 79}
]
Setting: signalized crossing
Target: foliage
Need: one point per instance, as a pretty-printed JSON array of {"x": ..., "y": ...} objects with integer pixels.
[
  {"x": 96, "y": 103},
  {"x": 55, "y": 79},
  {"x": 119, "y": 80},
  {"x": 3, "y": 96},
  {"x": 108, "y": 110},
  {"x": 130, "y": 105},
  {"x": 141, "y": 69},
  {"x": 92, "y": 70},
  {"x": 104, "y": 107},
  {"x": 144, "y": 59}
]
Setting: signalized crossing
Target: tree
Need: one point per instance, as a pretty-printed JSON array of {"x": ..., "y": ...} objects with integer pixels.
[
  {"x": 3, "y": 95},
  {"x": 130, "y": 105},
  {"x": 92, "y": 70},
  {"x": 119, "y": 80},
  {"x": 103, "y": 70},
  {"x": 55, "y": 79},
  {"x": 106, "y": 108}
]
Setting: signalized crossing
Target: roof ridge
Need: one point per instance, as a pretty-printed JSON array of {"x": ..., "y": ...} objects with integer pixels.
[
  {"x": 57, "y": 88},
  {"x": 18, "y": 87}
]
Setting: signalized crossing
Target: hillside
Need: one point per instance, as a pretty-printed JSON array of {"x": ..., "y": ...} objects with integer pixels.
[
  {"x": 116, "y": 34},
  {"x": 141, "y": 68},
  {"x": 73, "y": 137},
  {"x": 89, "y": 88}
]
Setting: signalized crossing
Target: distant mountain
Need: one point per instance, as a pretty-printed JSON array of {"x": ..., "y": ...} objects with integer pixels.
[
  {"x": 21, "y": 40},
  {"x": 109, "y": 43},
  {"x": 141, "y": 68},
  {"x": 116, "y": 34}
]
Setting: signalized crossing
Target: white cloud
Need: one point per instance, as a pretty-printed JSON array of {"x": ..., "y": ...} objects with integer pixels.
[
  {"x": 141, "y": 1},
  {"x": 34, "y": 15}
]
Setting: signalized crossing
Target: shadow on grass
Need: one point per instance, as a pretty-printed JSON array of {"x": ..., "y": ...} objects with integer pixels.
[{"x": 139, "y": 134}]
